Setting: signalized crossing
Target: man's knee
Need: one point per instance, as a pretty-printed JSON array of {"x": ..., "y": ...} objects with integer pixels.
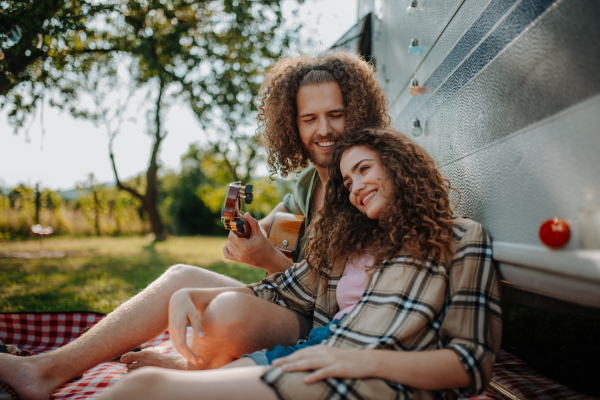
[
  {"x": 181, "y": 270},
  {"x": 183, "y": 275}
]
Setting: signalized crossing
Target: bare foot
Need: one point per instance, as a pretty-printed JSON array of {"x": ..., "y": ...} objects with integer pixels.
[
  {"x": 25, "y": 376},
  {"x": 151, "y": 357}
]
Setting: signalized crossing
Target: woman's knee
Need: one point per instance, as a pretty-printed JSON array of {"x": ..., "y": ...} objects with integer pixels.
[{"x": 228, "y": 312}]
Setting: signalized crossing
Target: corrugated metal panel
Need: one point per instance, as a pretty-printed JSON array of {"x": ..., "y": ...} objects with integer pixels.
[{"x": 511, "y": 110}]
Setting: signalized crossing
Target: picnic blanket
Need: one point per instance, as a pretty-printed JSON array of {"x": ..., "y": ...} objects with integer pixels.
[{"x": 42, "y": 332}]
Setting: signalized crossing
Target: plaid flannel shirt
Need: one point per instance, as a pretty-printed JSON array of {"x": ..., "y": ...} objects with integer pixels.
[{"x": 404, "y": 308}]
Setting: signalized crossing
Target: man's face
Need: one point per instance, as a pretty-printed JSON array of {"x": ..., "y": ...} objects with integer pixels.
[{"x": 321, "y": 120}]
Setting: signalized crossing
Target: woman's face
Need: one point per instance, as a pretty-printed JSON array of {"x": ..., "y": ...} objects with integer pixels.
[{"x": 366, "y": 179}]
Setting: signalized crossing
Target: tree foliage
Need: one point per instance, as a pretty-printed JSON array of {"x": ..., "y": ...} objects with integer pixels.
[
  {"x": 207, "y": 54},
  {"x": 39, "y": 41}
]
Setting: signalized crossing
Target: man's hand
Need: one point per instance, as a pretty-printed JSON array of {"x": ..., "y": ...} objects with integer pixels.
[
  {"x": 182, "y": 312},
  {"x": 256, "y": 250},
  {"x": 328, "y": 362}
]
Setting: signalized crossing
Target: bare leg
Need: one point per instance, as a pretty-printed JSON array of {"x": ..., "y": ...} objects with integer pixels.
[
  {"x": 158, "y": 383},
  {"x": 153, "y": 357},
  {"x": 136, "y": 321},
  {"x": 234, "y": 324}
]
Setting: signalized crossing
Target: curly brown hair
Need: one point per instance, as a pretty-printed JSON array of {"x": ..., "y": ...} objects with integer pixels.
[
  {"x": 365, "y": 102},
  {"x": 418, "y": 220}
]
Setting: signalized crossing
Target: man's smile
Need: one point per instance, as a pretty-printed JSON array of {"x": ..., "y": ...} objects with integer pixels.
[{"x": 325, "y": 144}]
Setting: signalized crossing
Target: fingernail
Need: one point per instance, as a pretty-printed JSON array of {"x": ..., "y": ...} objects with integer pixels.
[{"x": 200, "y": 333}]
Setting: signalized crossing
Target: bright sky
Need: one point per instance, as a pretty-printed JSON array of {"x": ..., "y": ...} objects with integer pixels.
[{"x": 69, "y": 150}]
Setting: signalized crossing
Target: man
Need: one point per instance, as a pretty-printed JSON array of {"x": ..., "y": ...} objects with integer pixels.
[{"x": 305, "y": 105}]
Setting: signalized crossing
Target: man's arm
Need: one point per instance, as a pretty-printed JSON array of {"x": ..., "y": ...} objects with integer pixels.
[{"x": 257, "y": 250}]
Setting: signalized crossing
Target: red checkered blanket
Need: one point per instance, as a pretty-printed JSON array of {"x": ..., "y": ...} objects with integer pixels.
[{"x": 42, "y": 332}]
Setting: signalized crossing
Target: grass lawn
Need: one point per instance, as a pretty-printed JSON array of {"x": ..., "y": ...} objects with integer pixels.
[{"x": 98, "y": 274}]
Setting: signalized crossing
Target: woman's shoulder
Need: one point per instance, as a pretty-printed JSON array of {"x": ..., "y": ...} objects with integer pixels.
[
  {"x": 464, "y": 223},
  {"x": 465, "y": 229}
]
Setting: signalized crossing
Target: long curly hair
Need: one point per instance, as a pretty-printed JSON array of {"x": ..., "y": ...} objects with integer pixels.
[
  {"x": 364, "y": 100},
  {"x": 418, "y": 219}
]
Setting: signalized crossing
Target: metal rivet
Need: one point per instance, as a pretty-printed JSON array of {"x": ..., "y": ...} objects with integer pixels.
[
  {"x": 416, "y": 128},
  {"x": 412, "y": 8},
  {"x": 285, "y": 242},
  {"x": 414, "y": 49},
  {"x": 414, "y": 88}
]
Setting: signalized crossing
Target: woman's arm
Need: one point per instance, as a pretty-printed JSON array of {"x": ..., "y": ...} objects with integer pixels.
[{"x": 429, "y": 370}]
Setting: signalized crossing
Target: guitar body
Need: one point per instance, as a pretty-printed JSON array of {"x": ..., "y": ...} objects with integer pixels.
[{"x": 286, "y": 232}]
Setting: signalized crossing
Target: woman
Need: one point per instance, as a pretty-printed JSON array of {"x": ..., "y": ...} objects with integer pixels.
[{"x": 427, "y": 325}]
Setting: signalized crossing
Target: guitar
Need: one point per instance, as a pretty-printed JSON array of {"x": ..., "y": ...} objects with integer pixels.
[
  {"x": 230, "y": 212},
  {"x": 286, "y": 233},
  {"x": 286, "y": 230}
]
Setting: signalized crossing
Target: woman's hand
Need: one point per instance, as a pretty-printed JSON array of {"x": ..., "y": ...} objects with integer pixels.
[
  {"x": 256, "y": 250},
  {"x": 329, "y": 362},
  {"x": 182, "y": 312}
]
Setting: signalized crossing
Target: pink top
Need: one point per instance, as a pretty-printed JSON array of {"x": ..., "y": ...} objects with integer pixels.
[{"x": 352, "y": 284}]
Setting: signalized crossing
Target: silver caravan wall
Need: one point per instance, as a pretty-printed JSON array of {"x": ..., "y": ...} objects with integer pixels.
[{"x": 510, "y": 109}]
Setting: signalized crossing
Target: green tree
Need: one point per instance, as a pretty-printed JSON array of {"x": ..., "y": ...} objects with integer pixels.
[
  {"x": 39, "y": 38},
  {"x": 210, "y": 54}
]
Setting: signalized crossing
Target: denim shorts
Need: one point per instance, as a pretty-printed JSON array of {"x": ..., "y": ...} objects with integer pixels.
[{"x": 316, "y": 336}]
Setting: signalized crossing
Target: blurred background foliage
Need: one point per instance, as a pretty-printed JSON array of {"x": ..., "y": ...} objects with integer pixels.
[
  {"x": 189, "y": 202},
  {"x": 94, "y": 58}
]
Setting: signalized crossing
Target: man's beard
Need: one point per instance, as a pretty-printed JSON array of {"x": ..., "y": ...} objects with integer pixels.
[{"x": 322, "y": 162}]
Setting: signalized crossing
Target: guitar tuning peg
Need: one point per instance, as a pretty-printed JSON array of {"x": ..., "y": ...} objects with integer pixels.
[
  {"x": 248, "y": 192},
  {"x": 240, "y": 226}
]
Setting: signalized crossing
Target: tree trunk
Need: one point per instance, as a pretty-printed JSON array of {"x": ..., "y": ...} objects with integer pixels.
[
  {"x": 151, "y": 196},
  {"x": 38, "y": 203},
  {"x": 156, "y": 222},
  {"x": 97, "y": 209}
]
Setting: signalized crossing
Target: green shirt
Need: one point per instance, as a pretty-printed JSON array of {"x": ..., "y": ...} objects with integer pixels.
[{"x": 299, "y": 202}]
